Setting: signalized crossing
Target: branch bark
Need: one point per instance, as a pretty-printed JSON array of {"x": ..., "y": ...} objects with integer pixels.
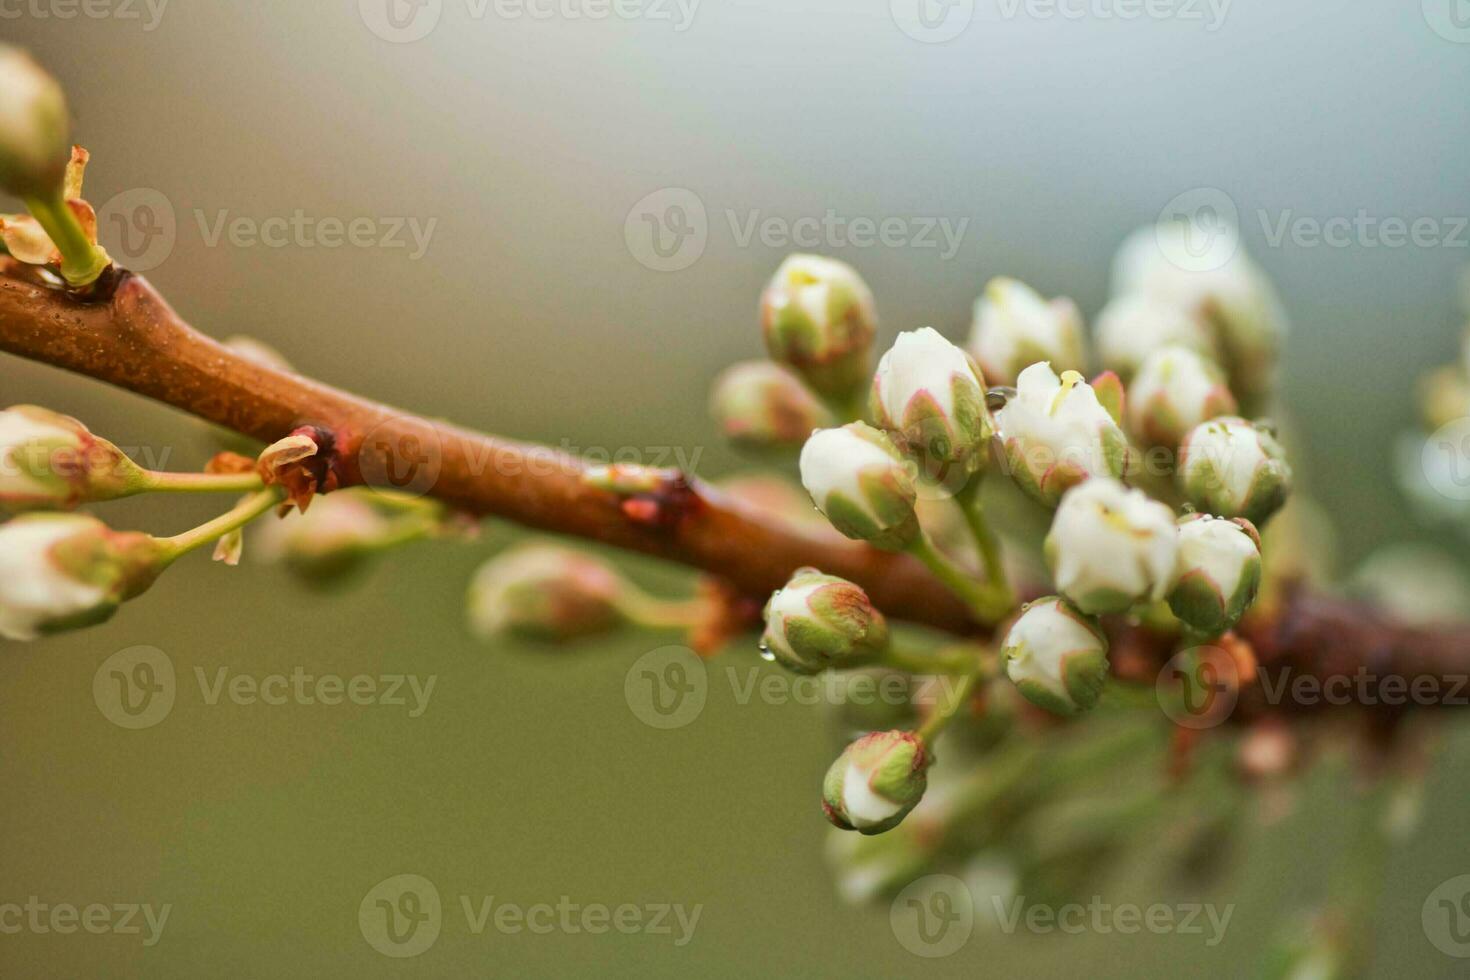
[{"x": 128, "y": 336}]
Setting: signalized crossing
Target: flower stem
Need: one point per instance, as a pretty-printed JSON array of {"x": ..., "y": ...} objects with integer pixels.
[
  {"x": 651, "y": 612},
  {"x": 156, "y": 482},
  {"x": 81, "y": 260},
  {"x": 970, "y": 505},
  {"x": 241, "y": 514},
  {"x": 945, "y": 713},
  {"x": 980, "y": 599},
  {"x": 952, "y": 659}
]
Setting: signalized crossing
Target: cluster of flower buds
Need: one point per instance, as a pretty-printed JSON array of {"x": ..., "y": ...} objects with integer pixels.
[
  {"x": 1057, "y": 433},
  {"x": 1233, "y": 468},
  {"x": 1015, "y": 327},
  {"x": 930, "y": 397},
  {"x": 816, "y": 622},
  {"x": 861, "y": 482},
  {"x": 818, "y": 318},
  {"x": 876, "y": 781},
  {"x": 1057, "y": 656},
  {"x": 545, "y": 592},
  {"x": 50, "y": 461}
]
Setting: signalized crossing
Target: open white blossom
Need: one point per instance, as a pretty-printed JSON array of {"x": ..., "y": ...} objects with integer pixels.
[
  {"x": 1111, "y": 547},
  {"x": 857, "y": 478},
  {"x": 1015, "y": 327},
  {"x": 1056, "y": 656},
  {"x": 1056, "y": 434}
]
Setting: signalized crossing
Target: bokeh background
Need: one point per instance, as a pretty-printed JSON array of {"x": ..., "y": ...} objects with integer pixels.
[{"x": 533, "y": 312}]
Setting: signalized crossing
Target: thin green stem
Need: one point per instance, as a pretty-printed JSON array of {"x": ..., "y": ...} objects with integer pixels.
[
  {"x": 155, "y": 482},
  {"x": 81, "y": 260},
  {"x": 945, "y": 713},
  {"x": 980, "y": 600},
  {"x": 655, "y": 613},
  {"x": 973, "y": 509},
  {"x": 241, "y": 514},
  {"x": 946, "y": 660}
]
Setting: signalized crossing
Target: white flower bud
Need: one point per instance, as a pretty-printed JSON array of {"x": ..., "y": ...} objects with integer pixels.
[
  {"x": 818, "y": 317},
  {"x": 330, "y": 540},
  {"x": 34, "y": 140},
  {"x": 544, "y": 592},
  {"x": 1015, "y": 328},
  {"x": 876, "y": 781},
  {"x": 50, "y": 461},
  {"x": 1133, "y": 326},
  {"x": 64, "y": 571},
  {"x": 860, "y": 482},
  {"x": 1056, "y": 434},
  {"x": 1217, "y": 572},
  {"x": 761, "y": 405},
  {"x": 1056, "y": 656},
  {"x": 1232, "y": 468},
  {"x": 818, "y": 621},
  {"x": 1236, "y": 298},
  {"x": 1111, "y": 547},
  {"x": 1175, "y": 390},
  {"x": 930, "y": 397}
]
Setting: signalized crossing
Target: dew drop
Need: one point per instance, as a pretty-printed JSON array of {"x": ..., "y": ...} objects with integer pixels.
[{"x": 766, "y": 654}]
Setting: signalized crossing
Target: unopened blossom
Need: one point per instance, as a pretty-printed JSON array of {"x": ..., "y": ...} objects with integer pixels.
[
  {"x": 816, "y": 621},
  {"x": 858, "y": 479},
  {"x": 544, "y": 592},
  {"x": 1111, "y": 547},
  {"x": 331, "y": 540},
  {"x": 34, "y": 140},
  {"x": 65, "y": 571},
  {"x": 1175, "y": 390},
  {"x": 1233, "y": 468},
  {"x": 50, "y": 461},
  {"x": 1217, "y": 572},
  {"x": 763, "y": 405},
  {"x": 819, "y": 318},
  {"x": 1235, "y": 296},
  {"x": 1056, "y": 656},
  {"x": 929, "y": 396},
  {"x": 1056, "y": 434},
  {"x": 1015, "y": 327},
  {"x": 876, "y": 781},
  {"x": 1134, "y": 325}
]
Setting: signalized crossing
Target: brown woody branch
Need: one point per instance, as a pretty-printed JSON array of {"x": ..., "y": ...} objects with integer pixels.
[{"x": 129, "y": 337}]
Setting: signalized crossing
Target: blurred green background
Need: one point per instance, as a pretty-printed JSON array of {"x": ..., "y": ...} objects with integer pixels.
[{"x": 527, "y": 140}]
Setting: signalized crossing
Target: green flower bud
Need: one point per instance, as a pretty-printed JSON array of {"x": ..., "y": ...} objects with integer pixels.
[
  {"x": 35, "y": 142},
  {"x": 1057, "y": 657},
  {"x": 818, "y": 318},
  {"x": 876, "y": 781},
  {"x": 544, "y": 592},
  {"x": 1232, "y": 468},
  {"x": 929, "y": 396},
  {"x": 1217, "y": 573},
  {"x": 857, "y": 478},
  {"x": 1175, "y": 390},
  {"x": 815, "y": 622},
  {"x": 1111, "y": 547},
  {"x": 65, "y": 571},
  {"x": 50, "y": 461},
  {"x": 760, "y": 405}
]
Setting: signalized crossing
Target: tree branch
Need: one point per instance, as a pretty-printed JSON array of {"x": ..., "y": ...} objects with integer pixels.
[{"x": 128, "y": 336}]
